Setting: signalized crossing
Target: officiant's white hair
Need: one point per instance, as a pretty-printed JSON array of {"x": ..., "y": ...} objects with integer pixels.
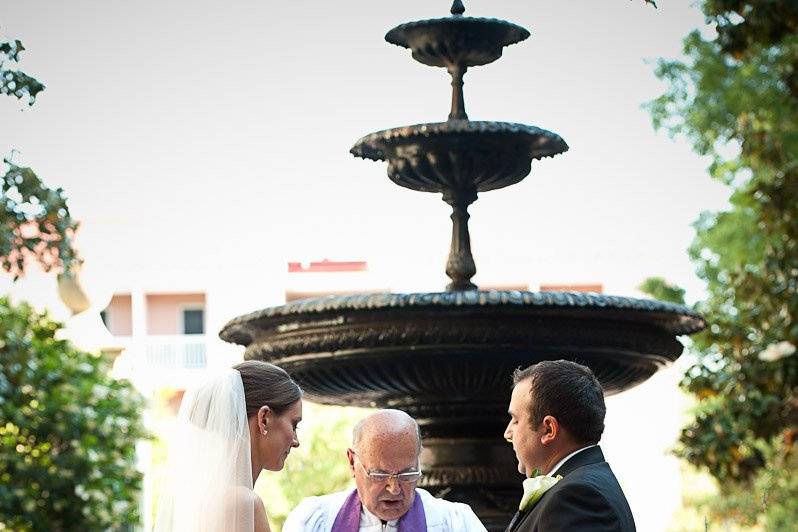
[{"x": 396, "y": 420}]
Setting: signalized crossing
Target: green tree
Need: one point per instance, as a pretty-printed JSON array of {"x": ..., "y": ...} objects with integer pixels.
[
  {"x": 321, "y": 467},
  {"x": 34, "y": 220},
  {"x": 34, "y": 223},
  {"x": 15, "y": 82},
  {"x": 67, "y": 432},
  {"x": 661, "y": 289},
  {"x": 735, "y": 99}
]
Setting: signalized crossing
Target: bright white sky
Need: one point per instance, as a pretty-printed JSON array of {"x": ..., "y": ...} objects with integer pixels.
[{"x": 217, "y": 133}]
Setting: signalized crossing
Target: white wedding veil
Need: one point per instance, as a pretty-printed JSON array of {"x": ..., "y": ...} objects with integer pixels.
[{"x": 208, "y": 482}]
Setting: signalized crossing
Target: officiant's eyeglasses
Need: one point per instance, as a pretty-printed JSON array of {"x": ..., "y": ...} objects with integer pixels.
[{"x": 380, "y": 476}]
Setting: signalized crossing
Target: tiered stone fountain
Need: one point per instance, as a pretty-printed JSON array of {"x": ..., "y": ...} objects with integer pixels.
[{"x": 446, "y": 357}]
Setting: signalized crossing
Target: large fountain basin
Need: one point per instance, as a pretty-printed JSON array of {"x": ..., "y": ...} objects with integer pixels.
[{"x": 431, "y": 348}]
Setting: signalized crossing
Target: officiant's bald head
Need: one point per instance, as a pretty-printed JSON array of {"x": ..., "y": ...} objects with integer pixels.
[
  {"x": 385, "y": 424},
  {"x": 384, "y": 462}
]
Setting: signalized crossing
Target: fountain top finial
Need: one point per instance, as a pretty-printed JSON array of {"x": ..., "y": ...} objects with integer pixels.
[{"x": 457, "y": 8}]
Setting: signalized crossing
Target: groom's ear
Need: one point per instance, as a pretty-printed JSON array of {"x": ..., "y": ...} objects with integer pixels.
[{"x": 551, "y": 430}]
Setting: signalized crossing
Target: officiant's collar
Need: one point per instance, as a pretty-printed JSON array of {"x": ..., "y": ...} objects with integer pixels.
[{"x": 368, "y": 519}]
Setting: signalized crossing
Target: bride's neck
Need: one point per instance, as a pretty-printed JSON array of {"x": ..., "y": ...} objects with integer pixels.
[{"x": 255, "y": 458}]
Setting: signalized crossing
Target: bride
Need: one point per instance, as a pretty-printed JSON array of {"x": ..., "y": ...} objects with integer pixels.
[{"x": 230, "y": 428}]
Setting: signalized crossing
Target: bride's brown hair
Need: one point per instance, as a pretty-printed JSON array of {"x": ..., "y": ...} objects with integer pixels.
[{"x": 267, "y": 385}]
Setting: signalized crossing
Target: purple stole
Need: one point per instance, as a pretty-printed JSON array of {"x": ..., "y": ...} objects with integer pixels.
[{"x": 348, "y": 518}]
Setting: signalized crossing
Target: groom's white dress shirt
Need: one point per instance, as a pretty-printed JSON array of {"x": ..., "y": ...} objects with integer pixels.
[
  {"x": 317, "y": 514},
  {"x": 559, "y": 464}
]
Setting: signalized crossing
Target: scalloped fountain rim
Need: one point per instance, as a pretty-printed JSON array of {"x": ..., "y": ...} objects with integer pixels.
[
  {"x": 691, "y": 322},
  {"x": 364, "y": 147},
  {"x": 515, "y": 32}
]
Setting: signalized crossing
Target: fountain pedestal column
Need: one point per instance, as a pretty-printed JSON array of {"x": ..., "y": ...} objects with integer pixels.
[
  {"x": 476, "y": 470},
  {"x": 460, "y": 265}
]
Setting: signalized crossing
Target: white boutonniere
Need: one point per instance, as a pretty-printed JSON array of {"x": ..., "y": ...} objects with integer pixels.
[{"x": 534, "y": 488}]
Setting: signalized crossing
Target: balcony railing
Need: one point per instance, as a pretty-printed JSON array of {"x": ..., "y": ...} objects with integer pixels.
[{"x": 175, "y": 352}]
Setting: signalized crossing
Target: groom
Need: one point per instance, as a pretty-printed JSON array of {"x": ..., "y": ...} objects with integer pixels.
[{"x": 556, "y": 420}]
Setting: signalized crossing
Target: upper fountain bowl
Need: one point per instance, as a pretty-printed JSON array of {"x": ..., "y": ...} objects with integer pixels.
[{"x": 456, "y": 41}]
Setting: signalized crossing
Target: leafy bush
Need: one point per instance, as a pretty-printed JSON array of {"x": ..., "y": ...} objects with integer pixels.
[{"x": 68, "y": 432}]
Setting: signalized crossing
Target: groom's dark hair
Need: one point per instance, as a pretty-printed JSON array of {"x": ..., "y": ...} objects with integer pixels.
[
  {"x": 569, "y": 392},
  {"x": 267, "y": 385}
]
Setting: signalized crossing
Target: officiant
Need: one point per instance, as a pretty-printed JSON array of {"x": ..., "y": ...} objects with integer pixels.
[{"x": 384, "y": 460}]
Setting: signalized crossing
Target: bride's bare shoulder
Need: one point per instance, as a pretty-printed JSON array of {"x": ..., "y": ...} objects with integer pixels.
[
  {"x": 261, "y": 519},
  {"x": 248, "y": 500}
]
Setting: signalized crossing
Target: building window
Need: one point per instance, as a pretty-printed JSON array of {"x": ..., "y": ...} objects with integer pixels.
[{"x": 193, "y": 321}]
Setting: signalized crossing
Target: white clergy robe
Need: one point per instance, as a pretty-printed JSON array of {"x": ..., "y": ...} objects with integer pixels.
[{"x": 317, "y": 514}]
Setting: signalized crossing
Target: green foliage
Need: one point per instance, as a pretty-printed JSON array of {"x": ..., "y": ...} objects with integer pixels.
[
  {"x": 659, "y": 288},
  {"x": 321, "y": 467},
  {"x": 735, "y": 100},
  {"x": 746, "y": 24},
  {"x": 767, "y": 503},
  {"x": 34, "y": 223},
  {"x": 67, "y": 432},
  {"x": 14, "y": 82},
  {"x": 778, "y": 487}
]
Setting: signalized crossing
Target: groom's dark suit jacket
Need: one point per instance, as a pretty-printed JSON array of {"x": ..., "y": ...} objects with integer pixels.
[{"x": 587, "y": 498}]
